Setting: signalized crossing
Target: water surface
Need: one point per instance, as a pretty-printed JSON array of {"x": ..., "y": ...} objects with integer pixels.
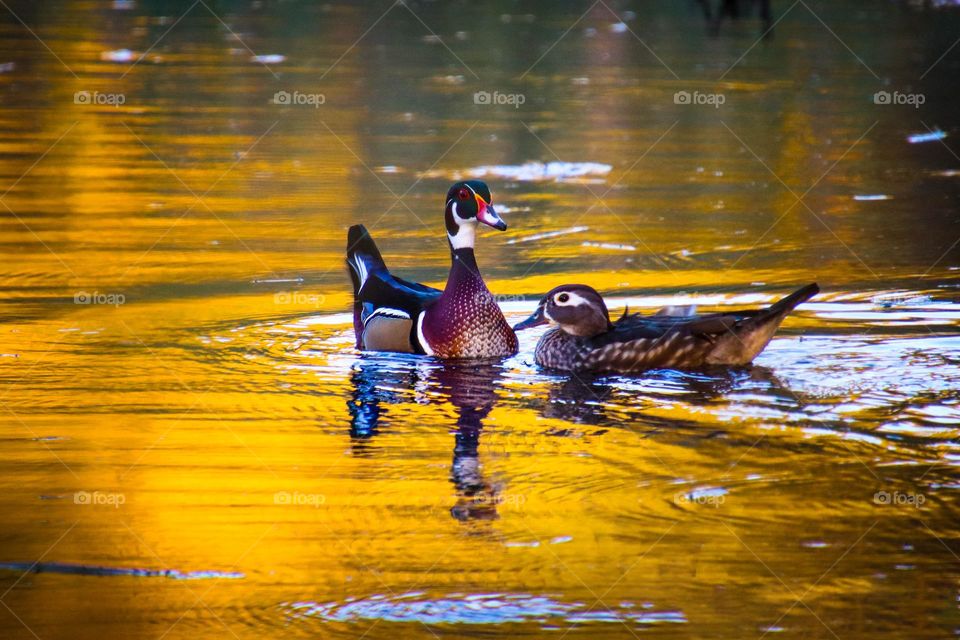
[{"x": 193, "y": 448}]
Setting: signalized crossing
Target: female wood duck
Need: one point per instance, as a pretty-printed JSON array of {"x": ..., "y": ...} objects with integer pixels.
[
  {"x": 585, "y": 339},
  {"x": 462, "y": 321}
]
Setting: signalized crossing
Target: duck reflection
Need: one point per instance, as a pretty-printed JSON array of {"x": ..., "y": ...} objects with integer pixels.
[
  {"x": 579, "y": 399},
  {"x": 375, "y": 381},
  {"x": 469, "y": 386},
  {"x": 599, "y": 399}
]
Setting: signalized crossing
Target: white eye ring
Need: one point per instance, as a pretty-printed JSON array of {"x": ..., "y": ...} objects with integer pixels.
[{"x": 562, "y": 299}]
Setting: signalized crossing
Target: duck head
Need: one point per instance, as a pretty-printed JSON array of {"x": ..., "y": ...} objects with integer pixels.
[
  {"x": 468, "y": 203},
  {"x": 578, "y": 309}
]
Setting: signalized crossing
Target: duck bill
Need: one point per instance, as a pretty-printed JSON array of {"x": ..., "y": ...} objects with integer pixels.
[
  {"x": 536, "y": 319},
  {"x": 488, "y": 215}
]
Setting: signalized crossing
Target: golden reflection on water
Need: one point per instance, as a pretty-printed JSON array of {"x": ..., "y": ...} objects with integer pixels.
[{"x": 211, "y": 410}]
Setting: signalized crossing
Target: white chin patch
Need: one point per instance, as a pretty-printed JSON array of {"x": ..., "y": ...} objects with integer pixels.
[{"x": 466, "y": 231}]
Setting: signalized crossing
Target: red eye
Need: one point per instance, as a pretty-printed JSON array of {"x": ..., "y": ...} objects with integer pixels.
[{"x": 463, "y": 194}]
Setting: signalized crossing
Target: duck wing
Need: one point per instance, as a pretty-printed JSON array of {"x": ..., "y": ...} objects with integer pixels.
[
  {"x": 374, "y": 285},
  {"x": 383, "y": 289},
  {"x": 635, "y": 342},
  {"x": 385, "y": 307}
]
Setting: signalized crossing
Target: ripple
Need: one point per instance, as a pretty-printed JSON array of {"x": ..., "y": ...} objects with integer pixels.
[{"x": 482, "y": 608}]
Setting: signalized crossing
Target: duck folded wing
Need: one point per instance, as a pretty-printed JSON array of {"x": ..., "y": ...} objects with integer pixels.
[
  {"x": 636, "y": 327},
  {"x": 383, "y": 289}
]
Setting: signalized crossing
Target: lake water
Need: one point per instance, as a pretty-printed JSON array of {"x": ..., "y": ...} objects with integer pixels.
[{"x": 192, "y": 447}]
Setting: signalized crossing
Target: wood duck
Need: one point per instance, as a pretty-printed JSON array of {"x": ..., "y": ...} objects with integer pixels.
[
  {"x": 586, "y": 341},
  {"x": 462, "y": 321}
]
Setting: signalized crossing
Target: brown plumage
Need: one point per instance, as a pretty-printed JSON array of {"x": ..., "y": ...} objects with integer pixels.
[{"x": 585, "y": 339}]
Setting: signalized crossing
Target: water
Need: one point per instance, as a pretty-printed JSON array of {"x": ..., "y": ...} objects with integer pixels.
[{"x": 192, "y": 447}]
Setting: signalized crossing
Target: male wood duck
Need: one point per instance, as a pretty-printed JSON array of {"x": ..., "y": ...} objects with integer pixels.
[
  {"x": 586, "y": 341},
  {"x": 462, "y": 321}
]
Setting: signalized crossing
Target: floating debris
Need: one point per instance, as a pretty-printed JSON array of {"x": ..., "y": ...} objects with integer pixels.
[
  {"x": 892, "y": 300},
  {"x": 97, "y": 570},
  {"x": 271, "y": 58},
  {"x": 530, "y": 171},
  {"x": 449, "y": 79},
  {"x": 297, "y": 280},
  {"x": 867, "y": 197},
  {"x": 119, "y": 55},
  {"x": 6, "y": 67},
  {"x": 618, "y": 27},
  {"x": 706, "y": 493},
  {"x": 930, "y": 136},
  {"x": 547, "y": 234},
  {"x": 609, "y": 245},
  {"x": 484, "y": 608}
]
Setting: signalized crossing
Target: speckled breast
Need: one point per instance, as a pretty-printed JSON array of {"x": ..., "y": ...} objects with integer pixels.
[
  {"x": 559, "y": 350},
  {"x": 468, "y": 324}
]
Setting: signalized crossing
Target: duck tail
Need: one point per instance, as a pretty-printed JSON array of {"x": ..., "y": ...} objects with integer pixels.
[
  {"x": 782, "y": 307},
  {"x": 750, "y": 336},
  {"x": 363, "y": 257}
]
